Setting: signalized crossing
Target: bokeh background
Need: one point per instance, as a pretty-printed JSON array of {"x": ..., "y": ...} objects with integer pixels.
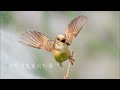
[{"x": 96, "y": 47}]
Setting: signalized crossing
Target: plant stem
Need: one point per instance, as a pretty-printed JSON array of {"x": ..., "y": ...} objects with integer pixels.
[{"x": 66, "y": 75}]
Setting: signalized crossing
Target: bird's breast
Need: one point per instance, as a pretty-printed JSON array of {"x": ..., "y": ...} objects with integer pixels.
[{"x": 61, "y": 55}]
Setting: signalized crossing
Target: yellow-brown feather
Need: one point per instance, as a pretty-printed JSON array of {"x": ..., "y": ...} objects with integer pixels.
[{"x": 61, "y": 55}]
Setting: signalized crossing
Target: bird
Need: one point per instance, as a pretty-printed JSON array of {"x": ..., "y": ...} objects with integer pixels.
[{"x": 60, "y": 46}]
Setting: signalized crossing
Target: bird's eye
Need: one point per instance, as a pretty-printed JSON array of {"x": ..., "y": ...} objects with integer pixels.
[{"x": 63, "y": 41}]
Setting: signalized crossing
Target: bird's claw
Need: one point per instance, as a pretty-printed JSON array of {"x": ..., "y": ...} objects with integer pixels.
[
  {"x": 71, "y": 61},
  {"x": 71, "y": 58}
]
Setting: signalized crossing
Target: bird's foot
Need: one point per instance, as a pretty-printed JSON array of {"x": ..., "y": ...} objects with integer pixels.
[{"x": 71, "y": 60}]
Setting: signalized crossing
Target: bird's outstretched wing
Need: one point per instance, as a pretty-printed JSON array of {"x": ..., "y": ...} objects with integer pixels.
[
  {"x": 37, "y": 40},
  {"x": 74, "y": 28}
]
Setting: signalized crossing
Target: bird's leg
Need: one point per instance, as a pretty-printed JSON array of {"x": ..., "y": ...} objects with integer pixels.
[
  {"x": 70, "y": 62},
  {"x": 61, "y": 66}
]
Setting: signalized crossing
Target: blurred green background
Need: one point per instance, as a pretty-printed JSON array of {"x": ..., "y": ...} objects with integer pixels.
[{"x": 96, "y": 47}]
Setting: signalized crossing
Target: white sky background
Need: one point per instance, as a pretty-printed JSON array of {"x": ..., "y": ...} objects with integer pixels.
[{"x": 12, "y": 52}]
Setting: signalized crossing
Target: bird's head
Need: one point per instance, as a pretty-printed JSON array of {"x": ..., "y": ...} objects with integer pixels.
[{"x": 60, "y": 42}]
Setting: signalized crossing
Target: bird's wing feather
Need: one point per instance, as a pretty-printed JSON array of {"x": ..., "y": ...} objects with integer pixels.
[
  {"x": 74, "y": 28},
  {"x": 37, "y": 40}
]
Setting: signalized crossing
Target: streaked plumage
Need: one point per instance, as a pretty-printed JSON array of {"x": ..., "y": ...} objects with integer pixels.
[
  {"x": 74, "y": 28},
  {"x": 59, "y": 46},
  {"x": 37, "y": 40}
]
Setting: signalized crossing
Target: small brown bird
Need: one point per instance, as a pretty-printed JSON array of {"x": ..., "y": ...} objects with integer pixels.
[{"x": 59, "y": 46}]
